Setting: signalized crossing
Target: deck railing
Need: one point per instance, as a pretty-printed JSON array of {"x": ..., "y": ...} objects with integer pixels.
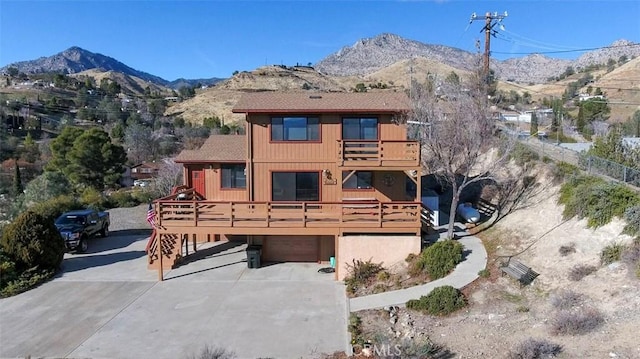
[
  {"x": 378, "y": 153},
  {"x": 351, "y": 214}
]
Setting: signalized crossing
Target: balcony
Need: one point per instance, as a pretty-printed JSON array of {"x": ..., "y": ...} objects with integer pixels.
[
  {"x": 251, "y": 218},
  {"x": 356, "y": 154}
]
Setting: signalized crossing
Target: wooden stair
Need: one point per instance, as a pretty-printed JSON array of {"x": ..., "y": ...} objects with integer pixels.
[{"x": 171, "y": 250}]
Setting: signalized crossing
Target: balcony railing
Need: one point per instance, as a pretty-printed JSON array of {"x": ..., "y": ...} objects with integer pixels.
[
  {"x": 353, "y": 153},
  {"x": 405, "y": 216}
]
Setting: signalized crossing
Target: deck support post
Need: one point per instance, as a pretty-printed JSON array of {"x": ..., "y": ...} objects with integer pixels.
[{"x": 160, "y": 269}]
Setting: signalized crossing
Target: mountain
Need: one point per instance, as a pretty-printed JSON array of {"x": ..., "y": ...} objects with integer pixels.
[
  {"x": 369, "y": 55},
  {"x": 75, "y": 59},
  {"x": 372, "y": 54}
]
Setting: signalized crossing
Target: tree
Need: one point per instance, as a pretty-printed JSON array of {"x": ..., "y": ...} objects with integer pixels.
[
  {"x": 94, "y": 161},
  {"x": 30, "y": 150},
  {"x": 169, "y": 175},
  {"x": 534, "y": 124},
  {"x": 458, "y": 136},
  {"x": 45, "y": 187},
  {"x": 60, "y": 147},
  {"x": 212, "y": 122},
  {"x": 140, "y": 143},
  {"x": 17, "y": 180},
  {"x": 453, "y": 78}
]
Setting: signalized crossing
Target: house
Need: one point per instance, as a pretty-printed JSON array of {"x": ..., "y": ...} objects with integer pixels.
[
  {"x": 319, "y": 177},
  {"x": 144, "y": 170}
]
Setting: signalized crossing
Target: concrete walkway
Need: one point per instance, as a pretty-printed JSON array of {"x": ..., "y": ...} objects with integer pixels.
[{"x": 465, "y": 273}]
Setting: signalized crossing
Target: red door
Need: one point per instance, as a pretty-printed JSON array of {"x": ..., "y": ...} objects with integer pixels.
[{"x": 197, "y": 181}]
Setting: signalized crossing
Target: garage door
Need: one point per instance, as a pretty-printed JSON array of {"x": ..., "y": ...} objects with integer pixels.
[{"x": 290, "y": 249}]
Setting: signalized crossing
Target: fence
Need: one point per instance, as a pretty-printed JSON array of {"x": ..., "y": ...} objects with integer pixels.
[{"x": 590, "y": 164}]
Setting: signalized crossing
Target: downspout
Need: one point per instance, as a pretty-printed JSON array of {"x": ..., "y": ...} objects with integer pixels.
[{"x": 249, "y": 165}]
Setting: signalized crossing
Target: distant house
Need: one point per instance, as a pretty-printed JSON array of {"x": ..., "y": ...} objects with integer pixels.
[
  {"x": 144, "y": 170},
  {"x": 515, "y": 116},
  {"x": 586, "y": 97}
]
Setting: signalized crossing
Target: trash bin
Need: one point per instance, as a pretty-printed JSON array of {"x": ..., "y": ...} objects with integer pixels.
[
  {"x": 253, "y": 255},
  {"x": 332, "y": 261}
]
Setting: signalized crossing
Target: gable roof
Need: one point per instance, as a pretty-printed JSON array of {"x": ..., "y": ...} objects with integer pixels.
[
  {"x": 322, "y": 102},
  {"x": 217, "y": 148}
]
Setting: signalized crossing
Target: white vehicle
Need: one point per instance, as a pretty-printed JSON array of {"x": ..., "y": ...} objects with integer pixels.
[
  {"x": 468, "y": 213},
  {"x": 142, "y": 183}
]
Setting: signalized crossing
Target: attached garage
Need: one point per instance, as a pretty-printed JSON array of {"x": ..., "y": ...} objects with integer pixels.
[{"x": 297, "y": 248}]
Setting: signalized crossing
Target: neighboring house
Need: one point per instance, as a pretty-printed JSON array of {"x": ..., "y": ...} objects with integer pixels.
[
  {"x": 514, "y": 116},
  {"x": 317, "y": 177},
  {"x": 144, "y": 170},
  {"x": 586, "y": 97}
]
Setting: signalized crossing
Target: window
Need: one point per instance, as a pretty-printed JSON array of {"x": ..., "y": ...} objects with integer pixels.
[
  {"x": 295, "y": 129},
  {"x": 295, "y": 186},
  {"x": 360, "y": 128},
  {"x": 233, "y": 176},
  {"x": 359, "y": 180}
]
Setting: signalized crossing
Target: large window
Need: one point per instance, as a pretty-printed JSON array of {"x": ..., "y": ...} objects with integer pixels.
[
  {"x": 358, "y": 180},
  {"x": 234, "y": 176},
  {"x": 295, "y": 129},
  {"x": 295, "y": 186},
  {"x": 355, "y": 128}
]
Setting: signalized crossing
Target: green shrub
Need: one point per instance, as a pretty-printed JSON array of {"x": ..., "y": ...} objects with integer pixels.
[
  {"x": 24, "y": 281},
  {"x": 484, "y": 273},
  {"x": 355, "y": 328},
  {"x": 32, "y": 240},
  {"x": 143, "y": 195},
  {"x": 441, "y": 301},
  {"x": 596, "y": 200},
  {"x": 122, "y": 199},
  {"x": 55, "y": 207},
  {"x": 632, "y": 217},
  {"x": 92, "y": 198},
  {"x": 522, "y": 154},
  {"x": 440, "y": 258},
  {"x": 611, "y": 253}
]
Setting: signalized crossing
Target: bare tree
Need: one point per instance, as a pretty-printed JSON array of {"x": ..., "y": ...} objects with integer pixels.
[
  {"x": 459, "y": 139},
  {"x": 169, "y": 176}
]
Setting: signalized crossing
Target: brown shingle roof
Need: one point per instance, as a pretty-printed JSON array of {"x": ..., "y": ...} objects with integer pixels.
[
  {"x": 320, "y": 102},
  {"x": 217, "y": 148}
]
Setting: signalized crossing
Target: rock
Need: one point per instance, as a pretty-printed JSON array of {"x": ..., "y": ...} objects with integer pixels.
[
  {"x": 393, "y": 320},
  {"x": 612, "y": 355}
]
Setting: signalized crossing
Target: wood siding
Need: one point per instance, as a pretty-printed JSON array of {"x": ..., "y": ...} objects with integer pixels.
[{"x": 266, "y": 151}]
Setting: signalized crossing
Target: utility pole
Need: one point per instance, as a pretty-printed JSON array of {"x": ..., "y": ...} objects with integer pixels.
[{"x": 490, "y": 21}]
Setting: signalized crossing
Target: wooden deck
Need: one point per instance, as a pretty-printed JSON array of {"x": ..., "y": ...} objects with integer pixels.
[
  {"x": 289, "y": 217},
  {"x": 402, "y": 154}
]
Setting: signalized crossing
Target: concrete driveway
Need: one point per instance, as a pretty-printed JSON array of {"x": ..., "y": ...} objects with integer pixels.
[{"x": 106, "y": 304}]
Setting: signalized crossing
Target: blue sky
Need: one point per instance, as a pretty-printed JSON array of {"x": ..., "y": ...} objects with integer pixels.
[{"x": 202, "y": 39}]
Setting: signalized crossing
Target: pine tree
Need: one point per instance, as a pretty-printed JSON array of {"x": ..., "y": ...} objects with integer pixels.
[{"x": 17, "y": 180}]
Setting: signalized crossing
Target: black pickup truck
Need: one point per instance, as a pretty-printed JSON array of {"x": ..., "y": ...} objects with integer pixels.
[{"x": 76, "y": 227}]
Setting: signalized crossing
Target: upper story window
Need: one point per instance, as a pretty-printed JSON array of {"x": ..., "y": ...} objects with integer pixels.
[
  {"x": 360, "y": 128},
  {"x": 233, "y": 176},
  {"x": 295, "y": 129}
]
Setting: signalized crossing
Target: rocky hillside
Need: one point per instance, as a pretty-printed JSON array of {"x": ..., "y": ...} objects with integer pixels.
[
  {"x": 369, "y": 55},
  {"x": 372, "y": 54},
  {"x": 75, "y": 59}
]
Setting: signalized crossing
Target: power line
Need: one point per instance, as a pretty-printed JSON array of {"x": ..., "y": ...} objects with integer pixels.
[{"x": 567, "y": 51}]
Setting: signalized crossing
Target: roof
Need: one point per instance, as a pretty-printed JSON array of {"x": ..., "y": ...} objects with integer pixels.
[
  {"x": 321, "y": 102},
  {"x": 217, "y": 148},
  {"x": 148, "y": 165}
]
